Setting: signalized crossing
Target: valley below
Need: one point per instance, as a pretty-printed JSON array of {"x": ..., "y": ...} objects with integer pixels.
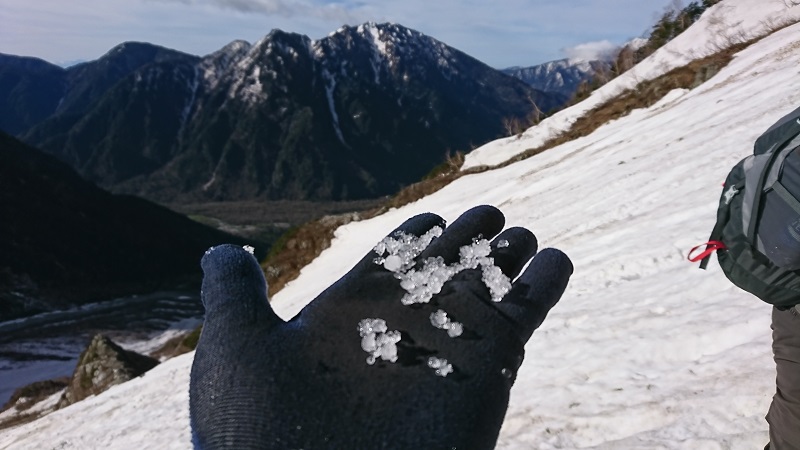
[
  {"x": 47, "y": 345},
  {"x": 266, "y": 221}
]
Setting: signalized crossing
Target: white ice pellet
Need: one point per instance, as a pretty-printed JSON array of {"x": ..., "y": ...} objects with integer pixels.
[
  {"x": 407, "y": 284},
  {"x": 497, "y": 282},
  {"x": 397, "y": 253},
  {"x": 440, "y": 320},
  {"x": 403, "y": 248},
  {"x": 455, "y": 330},
  {"x": 249, "y": 249},
  {"x": 478, "y": 249},
  {"x": 422, "y": 284},
  {"x": 441, "y": 366},
  {"x": 393, "y": 263},
  {"x": 378, "y": 341}
]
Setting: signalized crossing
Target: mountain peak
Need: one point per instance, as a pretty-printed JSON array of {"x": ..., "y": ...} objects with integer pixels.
[
  {"x": 132, "y": 46},
  {"x": 145, "y": 49},
  {"x": 392, "y": 43},
  {"x": 129, "y": 56},
  {"x": 285, "y": 117},
  {"x": 562, "y": 75},
  {"x": 234, "y": 47},
  {"x": 29, "y": 63},
  {"x": 386, "y": 32}
]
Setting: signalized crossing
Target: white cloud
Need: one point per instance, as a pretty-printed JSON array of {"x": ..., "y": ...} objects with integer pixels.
[
  {"x": 591, "y": 51},
  {"x": 502, "y": 34},
  {"x": 337, "y": 12}
]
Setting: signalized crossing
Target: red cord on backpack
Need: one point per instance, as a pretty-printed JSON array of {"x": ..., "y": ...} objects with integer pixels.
[{"x": 711, "y": 247}]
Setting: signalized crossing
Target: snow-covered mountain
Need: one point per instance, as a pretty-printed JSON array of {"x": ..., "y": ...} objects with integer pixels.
[
  {"x": 562, "y": 76},
  {"x": 644, "y": 350},
  {"x": 565, "y": 76},
  {"x": 357, "y": 114}
]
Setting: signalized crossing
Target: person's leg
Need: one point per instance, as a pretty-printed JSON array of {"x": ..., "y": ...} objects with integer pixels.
[{"x": 784, "y": 413}]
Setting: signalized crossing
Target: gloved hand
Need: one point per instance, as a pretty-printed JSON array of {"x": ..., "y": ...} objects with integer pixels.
[{"x": 389, "y": 356}]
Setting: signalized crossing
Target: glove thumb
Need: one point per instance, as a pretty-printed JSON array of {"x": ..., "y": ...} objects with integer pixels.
[{"x": 234, "y": 291}]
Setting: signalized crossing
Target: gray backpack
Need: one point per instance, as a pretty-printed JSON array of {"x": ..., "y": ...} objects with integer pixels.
[{"x": 757, "y": 234}]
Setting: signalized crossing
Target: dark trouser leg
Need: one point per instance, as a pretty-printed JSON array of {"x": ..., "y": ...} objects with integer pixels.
[{"x": 784, "y": 413}]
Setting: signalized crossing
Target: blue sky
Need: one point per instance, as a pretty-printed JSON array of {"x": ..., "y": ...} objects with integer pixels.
[{"x": 501, "y": 33}]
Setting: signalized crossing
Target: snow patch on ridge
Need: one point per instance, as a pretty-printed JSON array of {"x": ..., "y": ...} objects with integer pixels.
[
  {"x": 193, "y": 86},
  {"x": 379, "y": 48},
  {"x": 216, "y": 64},
  {"x": 330, "y": 87}
]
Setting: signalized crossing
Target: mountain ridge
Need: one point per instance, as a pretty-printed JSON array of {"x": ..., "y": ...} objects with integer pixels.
[
  {"x": 357, "y": 114},
  {"x": 67, "y": 242},
  {"x": 563, "y": 76}
]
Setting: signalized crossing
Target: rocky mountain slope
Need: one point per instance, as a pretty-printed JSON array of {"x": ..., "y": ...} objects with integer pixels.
[
  {"x": 357, "y": 114},
  {"x": 65, "y": 241},
  {"x": 562, "y": 76}
]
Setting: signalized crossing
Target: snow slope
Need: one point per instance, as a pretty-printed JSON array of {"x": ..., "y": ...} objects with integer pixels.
[
  {"x": 644, "y": 350},
  {"x": 727, "y": 21}
]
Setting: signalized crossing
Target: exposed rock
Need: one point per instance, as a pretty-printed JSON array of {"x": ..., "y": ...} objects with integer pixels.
[
  {"x": 103, "y": 364},
  {"x": 26, "y": 396}
]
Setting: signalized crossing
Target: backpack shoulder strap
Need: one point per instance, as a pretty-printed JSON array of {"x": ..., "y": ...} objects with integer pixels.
[
  {"x": 775, "y": 136},
  {"x": 777, "y": 156}
]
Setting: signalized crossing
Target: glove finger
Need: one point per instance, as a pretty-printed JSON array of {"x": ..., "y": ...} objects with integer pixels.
[
  {"x": 537, "y": 290},
  {"x": 234, "y": 291},
  {"x": 512, "y": 249},
  {"x": 420, "y": 224},
  {"x": 415, "y": 226},
  {"x": 481, "y": 221}
]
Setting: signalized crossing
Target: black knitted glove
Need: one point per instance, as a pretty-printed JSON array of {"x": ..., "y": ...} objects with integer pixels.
[{"x": 406, "y": 351}]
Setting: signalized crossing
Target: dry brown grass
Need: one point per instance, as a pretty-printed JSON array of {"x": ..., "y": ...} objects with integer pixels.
[
  {"x": 416, "y": 191},
  {"x": 644, "y": 95},
  {"x": 19, "y": 419},
  {"x": 178, "y": 345},
  {"x": 26, "y": 397},
  {"x": 299, "y": 247}
]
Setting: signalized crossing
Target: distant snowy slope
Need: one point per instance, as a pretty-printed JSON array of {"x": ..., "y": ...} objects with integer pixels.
[
  {"x": 725, "y": 22},
  {"x": 644, "y": 350},
  {"x": 563, "y": 76}
]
